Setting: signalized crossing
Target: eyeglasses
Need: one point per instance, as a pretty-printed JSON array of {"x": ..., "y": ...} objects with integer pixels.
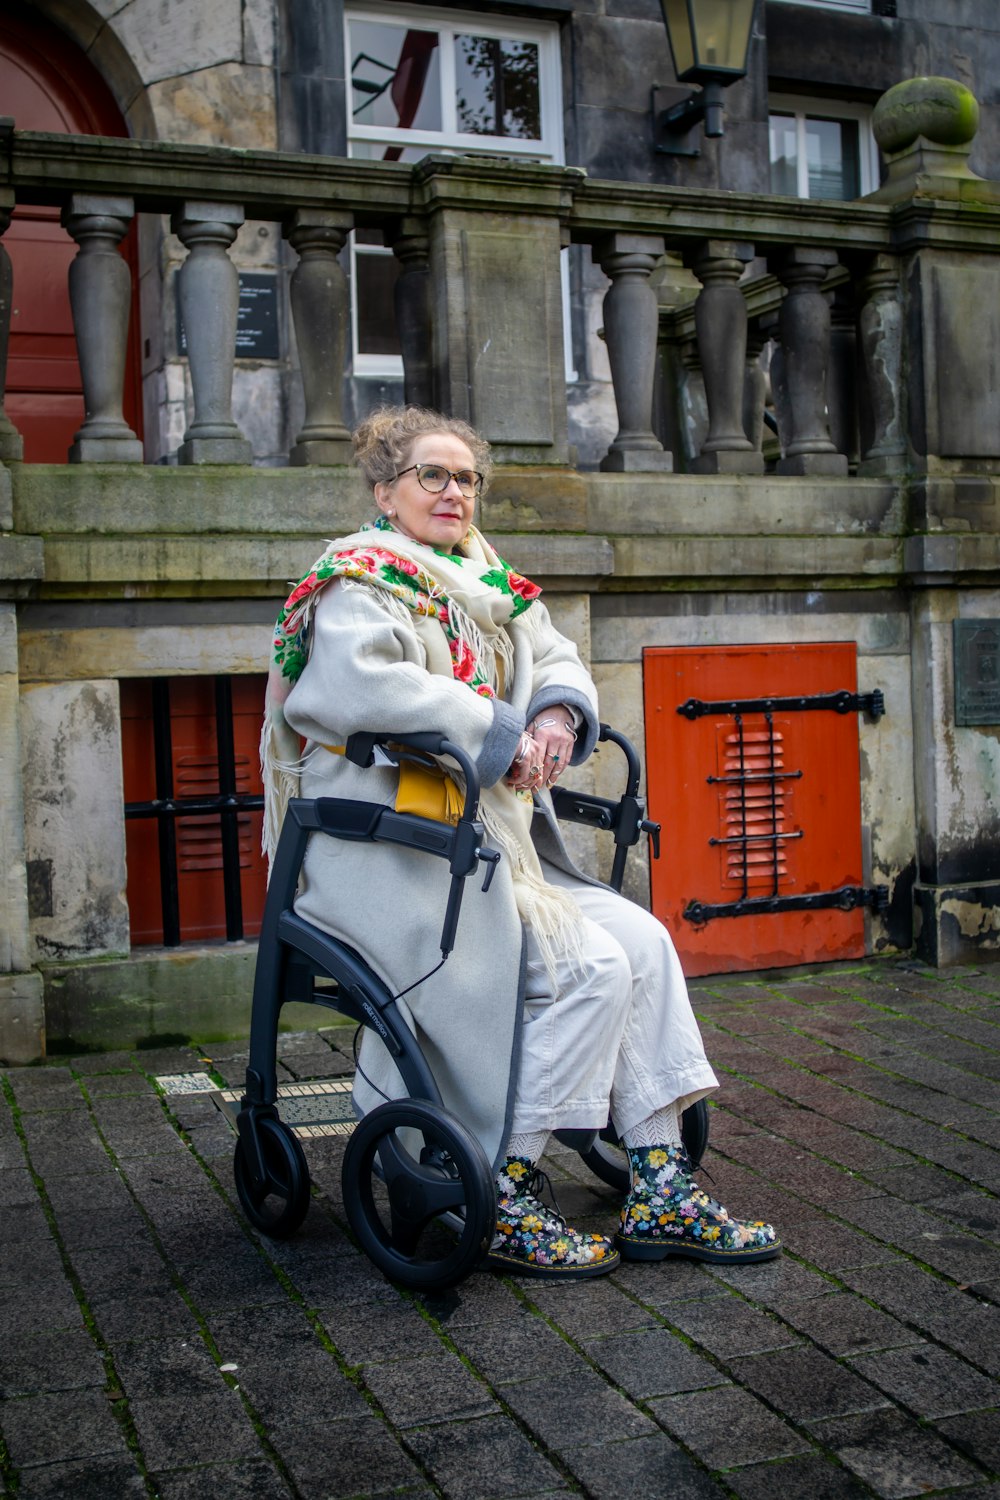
[{"x": 434, "y": 478}]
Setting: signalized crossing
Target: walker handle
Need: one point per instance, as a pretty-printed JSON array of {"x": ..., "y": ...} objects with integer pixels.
[{"x": 360, "y": 748}]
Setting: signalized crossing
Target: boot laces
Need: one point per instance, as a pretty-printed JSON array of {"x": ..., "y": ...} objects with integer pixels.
[{"x": 538, "y": 1183}]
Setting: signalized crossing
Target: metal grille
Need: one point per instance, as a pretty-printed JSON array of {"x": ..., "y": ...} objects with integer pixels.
[
  {"x": 217, "y": 838},
  {"x": 754, "y": 806}
]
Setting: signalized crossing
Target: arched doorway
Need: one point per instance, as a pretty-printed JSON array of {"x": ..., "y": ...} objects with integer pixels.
[{"x": 47, "y": 83}]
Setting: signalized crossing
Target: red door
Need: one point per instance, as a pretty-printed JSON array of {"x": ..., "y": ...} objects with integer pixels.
[
  {"x": 46, "y": 83},
  {"x": 754, "y": 806}
]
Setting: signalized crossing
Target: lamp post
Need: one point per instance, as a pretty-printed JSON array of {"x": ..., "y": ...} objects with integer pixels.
[{"x": 709, "y": 41}]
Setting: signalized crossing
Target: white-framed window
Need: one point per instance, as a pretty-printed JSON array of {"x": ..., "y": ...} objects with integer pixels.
[
  {"x": 423, "y": 80},
  {"x": 821, "y": 148}
]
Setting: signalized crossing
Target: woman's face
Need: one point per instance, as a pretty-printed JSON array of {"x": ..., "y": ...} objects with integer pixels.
[{"x": 438, "y": 520}]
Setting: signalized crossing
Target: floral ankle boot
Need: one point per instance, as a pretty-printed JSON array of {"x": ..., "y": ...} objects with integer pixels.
[
  {"x": 534, "y": 1240},
  {"x": 666, "y": 1213}
]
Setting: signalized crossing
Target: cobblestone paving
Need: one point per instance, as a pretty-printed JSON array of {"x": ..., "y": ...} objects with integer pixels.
[{"x": 153, "y": 1345}]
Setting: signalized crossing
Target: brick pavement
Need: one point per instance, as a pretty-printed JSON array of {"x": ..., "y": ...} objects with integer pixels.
[{"x": 154, "y": 1346}]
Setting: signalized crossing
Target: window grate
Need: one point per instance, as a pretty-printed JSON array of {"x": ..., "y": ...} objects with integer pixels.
[{"x": 190, "y": 845}]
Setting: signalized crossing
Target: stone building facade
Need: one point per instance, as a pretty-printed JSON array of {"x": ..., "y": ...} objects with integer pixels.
[{"x": 744, "y": 401}]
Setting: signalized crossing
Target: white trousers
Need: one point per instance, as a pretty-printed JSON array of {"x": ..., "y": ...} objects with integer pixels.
[{"x": 616, "y": 1035}]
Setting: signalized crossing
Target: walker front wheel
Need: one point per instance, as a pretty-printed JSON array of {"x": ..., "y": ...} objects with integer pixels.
[
  {"x": 277, "y": 1205},
  {"x": 419, "y": 1194}
]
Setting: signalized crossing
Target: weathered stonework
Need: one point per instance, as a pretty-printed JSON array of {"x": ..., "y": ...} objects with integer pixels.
[{"x": 74, "y": 830}]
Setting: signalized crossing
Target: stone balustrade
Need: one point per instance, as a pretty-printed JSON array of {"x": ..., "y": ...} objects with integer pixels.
[{"x": 816, "y": 291}]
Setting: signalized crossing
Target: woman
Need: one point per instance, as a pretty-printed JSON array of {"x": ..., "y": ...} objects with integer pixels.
[{"x": 561, "y": 1000}]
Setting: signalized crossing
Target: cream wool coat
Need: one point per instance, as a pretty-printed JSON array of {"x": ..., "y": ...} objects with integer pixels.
[{"x": 370, "y": 669}]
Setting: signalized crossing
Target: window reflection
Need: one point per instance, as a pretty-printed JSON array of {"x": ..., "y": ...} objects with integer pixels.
[
  {"x": 496, "y": 83},
  {"x": 395, "y": 76},
  {"x": 784, "y": 155},
  {"x": 832, "y": 157}
]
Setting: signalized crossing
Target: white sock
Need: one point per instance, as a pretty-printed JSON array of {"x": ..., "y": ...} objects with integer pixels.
[
  {"x": 528, "y": 1143},
  {"x": 661, "y": 1128}
]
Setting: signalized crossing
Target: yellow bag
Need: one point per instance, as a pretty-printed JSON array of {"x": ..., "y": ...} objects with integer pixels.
[
  {"x": 426, "y": 790},
  {"x": 429, "y": 792}
]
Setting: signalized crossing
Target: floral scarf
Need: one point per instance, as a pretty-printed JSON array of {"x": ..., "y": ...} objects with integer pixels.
[
  {"x": 385, "y": 565},
  {"x": 473, "y": 595}
]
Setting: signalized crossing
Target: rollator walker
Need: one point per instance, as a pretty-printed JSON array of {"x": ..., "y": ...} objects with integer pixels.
[{"x": 418, "y": 1189}]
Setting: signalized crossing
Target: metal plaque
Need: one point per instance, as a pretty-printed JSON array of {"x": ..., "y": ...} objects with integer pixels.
[
  {"x": 257, "y": 323},
  {"x": 977, "y": 672}
]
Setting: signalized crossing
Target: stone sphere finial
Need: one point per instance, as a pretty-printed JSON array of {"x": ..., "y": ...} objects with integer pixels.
[{"x": 942, "y": 110}]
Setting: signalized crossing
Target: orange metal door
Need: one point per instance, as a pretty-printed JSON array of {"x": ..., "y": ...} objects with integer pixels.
[
  {"x": 195, "y": 769},
  {"x": 754, "y": 805},
  {"x": 47, "y": 84}
]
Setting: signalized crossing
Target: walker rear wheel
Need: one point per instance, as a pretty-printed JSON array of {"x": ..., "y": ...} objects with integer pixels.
[
  {"x": 607, "y": 1160},
  {"x": 410, "y": 1165},
  {"x": 277, "y": 1205}
]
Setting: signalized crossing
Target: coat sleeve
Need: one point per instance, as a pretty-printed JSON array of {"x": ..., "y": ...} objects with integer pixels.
[
  {"x": 559, "y": 676},
  {"x": 366, "y": 671}
]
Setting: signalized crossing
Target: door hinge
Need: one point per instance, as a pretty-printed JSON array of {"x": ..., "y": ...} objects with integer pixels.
[
  {"x": 846, "y": 898},
  {"x": 872, "y": 704}
]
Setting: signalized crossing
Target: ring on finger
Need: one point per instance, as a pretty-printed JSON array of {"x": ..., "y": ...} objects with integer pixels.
[{"x": 534, "y": 770}]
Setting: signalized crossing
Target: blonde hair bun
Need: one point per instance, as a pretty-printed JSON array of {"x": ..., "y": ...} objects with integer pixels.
[{"x": 384, "y": 440}]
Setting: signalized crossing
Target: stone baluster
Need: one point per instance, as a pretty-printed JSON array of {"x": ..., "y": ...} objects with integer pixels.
[
  {"x": 320, "y": 314},
  {"x": 721, "y": 324},
  {"x": 880, "y": 332},
  {"x": 631, "y": 320},
  {"x": 842, "y": 376},
  {"x": 209, "y": 300},
  {"x": 411, "y": 246},
  {"x": 100, "y": 294},
  {"x": 804, "y": 330},
  {"x": 754, "y": 385},
  {"x": 11, "y": 442}
]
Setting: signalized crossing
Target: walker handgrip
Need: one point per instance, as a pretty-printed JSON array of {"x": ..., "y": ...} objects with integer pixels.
[
  {"x": 605, "y": 732},
  {"x": 360, "y": 748}
]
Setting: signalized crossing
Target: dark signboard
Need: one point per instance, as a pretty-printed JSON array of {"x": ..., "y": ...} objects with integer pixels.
[
  {"x": 977, "y": 671},
  {"x": 257, "y": 325}
]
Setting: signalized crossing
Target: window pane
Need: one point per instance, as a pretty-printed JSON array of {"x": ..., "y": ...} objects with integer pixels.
[
  {"x": 395, "y": 76},
  {"x": 832, "y": 157},
  {"x": 784, "y": 155},
  {"x": 376, "y": 276},
  {"x": 497, "y": 91}
]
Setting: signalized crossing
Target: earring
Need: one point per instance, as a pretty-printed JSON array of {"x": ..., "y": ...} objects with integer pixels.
[{"x": 390, "y": 512}]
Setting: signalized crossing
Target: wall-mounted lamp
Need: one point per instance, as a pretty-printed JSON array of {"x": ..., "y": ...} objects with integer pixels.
[{"x": 709, "y": 42}]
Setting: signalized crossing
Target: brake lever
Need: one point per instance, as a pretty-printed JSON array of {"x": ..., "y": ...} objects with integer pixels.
[{"x": 490, "y": 857}]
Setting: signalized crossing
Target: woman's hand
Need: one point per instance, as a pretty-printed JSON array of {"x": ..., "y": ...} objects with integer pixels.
[
  {"x": 554, "y": 733},
  {"x": 527, "y": 769}
]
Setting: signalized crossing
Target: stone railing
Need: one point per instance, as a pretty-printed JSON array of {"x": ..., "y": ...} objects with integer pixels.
[{"x": 858, "y": 334}]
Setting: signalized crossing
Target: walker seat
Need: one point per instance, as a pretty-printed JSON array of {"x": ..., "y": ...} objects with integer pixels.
[{"x": 418, "y": 1188}]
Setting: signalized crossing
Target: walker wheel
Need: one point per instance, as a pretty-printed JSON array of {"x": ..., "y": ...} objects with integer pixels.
[
  {"x": 277, "y": 1205},
  {"x": 410, "y": 1165},
  {"x": 608, "y": 1161}
]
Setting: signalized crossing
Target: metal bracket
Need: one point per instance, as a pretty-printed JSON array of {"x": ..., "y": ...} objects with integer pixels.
[
  {"x": 872, "y": 704},
  {"x": 847, "y": 898}
]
